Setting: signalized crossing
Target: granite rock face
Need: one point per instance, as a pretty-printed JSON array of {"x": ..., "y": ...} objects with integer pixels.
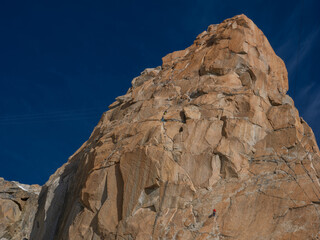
[
  {"x": 18, "y": 206},
  {"x": 211, "y": 128}
]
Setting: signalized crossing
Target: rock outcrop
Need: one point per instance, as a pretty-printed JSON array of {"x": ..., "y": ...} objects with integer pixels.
[
  {"x": 211, "y": 128},
  {"x": 18, "y": 206}
]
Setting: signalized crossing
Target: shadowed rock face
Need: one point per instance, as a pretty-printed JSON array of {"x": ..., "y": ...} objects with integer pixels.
[
  {"x": 18, "y": 206},
  {"x": 211, "y": 128}
]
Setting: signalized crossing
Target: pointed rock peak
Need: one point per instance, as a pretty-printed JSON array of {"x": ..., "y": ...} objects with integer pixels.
[
  {"x": 231, "y": 56},
  {"x": 212, "y": 128}
]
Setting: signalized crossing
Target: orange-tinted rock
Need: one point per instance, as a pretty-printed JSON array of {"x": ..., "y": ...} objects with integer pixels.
[
  {"x": 211, "y": 128},
  {"x": 18, "y": 206}
]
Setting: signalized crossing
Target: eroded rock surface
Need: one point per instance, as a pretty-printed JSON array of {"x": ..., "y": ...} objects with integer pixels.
[
  {"x": 211, "y": 128},
  {"x": 18, "y": 206}
]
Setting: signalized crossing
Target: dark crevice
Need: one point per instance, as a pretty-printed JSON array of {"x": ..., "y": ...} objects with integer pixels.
[
  {"x": 128, "y": 135},
  {"x": 183, "y": 117},
  {"x": 223, "y": 131},
  {"x": 253, "y": 77},
  {"x": 196, "y": 94},
  {"x": 16, "y": 202},
  {"x": 8, "y": 192},
  {"x": 212, "y": 40},
  {"x": 105, "y": 192},
  {"x": 152, "y": 208},
  {"x": 126, "y": 105},
  {"x": 273, "y": 103},
  {"x": 218, "y": 71},
  {"x": 120, "y": 187},
  {"x": 114, "y": 139},
  {"x": 151, "y": 189},
  {"x": 24, "y": 198}
]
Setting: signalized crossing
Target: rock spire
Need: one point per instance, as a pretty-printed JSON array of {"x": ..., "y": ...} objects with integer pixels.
[{"x": 212, "y": 128}]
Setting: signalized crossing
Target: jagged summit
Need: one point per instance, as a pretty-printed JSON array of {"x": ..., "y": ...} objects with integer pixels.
[
  {"x": 235, "y": 48},
  {"x": 212, "y": 128}
]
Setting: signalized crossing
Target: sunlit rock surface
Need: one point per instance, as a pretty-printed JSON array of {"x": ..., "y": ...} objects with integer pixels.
[
  {"x": 211, "y": 128},
  {"x": 18, "y": 206}
]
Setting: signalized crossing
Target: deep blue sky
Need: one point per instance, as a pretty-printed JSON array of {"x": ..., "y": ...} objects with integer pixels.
[{"x": 63, "y": 63}]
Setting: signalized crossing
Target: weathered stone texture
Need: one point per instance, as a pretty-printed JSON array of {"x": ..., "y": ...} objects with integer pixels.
[
  {"x": 18, "y": 206},
  {"x": 211, "y": 128}
]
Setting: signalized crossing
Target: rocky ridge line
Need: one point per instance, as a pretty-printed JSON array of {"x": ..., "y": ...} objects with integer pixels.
[{"x": 211, "y": 128}]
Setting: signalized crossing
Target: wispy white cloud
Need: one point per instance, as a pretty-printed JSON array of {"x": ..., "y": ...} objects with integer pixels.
[
  {"x": 289, "y": 31},
  {"x": 305, "y": 92},
  {"x": 305, "y": 47},
  {"x": 310, "y": 97},
  {"x": 312, "y": 111}
]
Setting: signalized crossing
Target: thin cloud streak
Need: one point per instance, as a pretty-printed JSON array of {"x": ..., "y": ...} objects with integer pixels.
[
  {"x": 304, "y": 93},
  {"x": 312, "y": 111},
  {"x": 306, "y": 47}
]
